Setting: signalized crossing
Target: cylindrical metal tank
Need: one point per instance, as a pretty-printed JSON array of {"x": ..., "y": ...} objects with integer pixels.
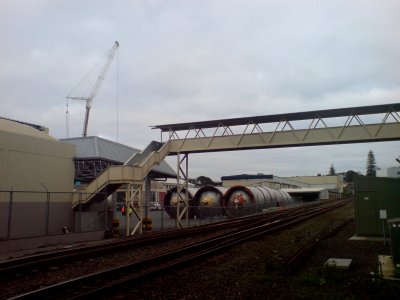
[
  {"x": 240, "y": 200},
  {"x": 286, "y": 196},
  {"x": 209, "y": 200},
  {"x": 172, "y": 199}
]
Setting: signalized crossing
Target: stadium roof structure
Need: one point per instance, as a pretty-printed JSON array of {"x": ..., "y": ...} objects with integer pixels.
[
  {"x": 97, "y": 148},
  {"x": 93, "y": 147}
]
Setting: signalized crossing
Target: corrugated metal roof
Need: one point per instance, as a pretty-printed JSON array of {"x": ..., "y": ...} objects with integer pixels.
[
  {"x": 94, "y": 147},
  {"x": 164, "y": 169},
  {"x": 97, "y": 147}
]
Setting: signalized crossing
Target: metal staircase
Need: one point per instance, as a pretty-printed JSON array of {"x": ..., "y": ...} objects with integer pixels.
[{"x": 133, "y": 171}]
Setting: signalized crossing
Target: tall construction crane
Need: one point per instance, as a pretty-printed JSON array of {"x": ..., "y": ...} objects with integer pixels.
[{"x": 96, "y": 87}]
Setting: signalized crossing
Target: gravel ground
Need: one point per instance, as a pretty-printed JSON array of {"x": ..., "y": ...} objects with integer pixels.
[{"x": 256, "y": 270}]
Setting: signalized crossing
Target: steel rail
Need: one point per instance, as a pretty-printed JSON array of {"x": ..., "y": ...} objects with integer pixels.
[
  {"x": 295, "y": 260},
  {"x": 101, "y": 282},
  {"x": 42, "y": 260}
]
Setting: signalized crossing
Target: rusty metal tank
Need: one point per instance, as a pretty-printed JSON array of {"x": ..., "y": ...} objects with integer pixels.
[
  {"x": 240, "y": 200},
  {"x": 172, "y": 199},
  {"x": 209, "y": 200}
]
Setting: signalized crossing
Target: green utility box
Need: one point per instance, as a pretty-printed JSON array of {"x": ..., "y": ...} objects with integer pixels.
[
  {"x": 377, "y": 199},
  {"x": 394, "y": 227}
]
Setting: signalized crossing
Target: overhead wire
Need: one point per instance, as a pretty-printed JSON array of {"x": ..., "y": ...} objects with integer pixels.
[
  {"x": 67, "y": 120},
  {"x": 87, "y": 74},
  {"x": 117, "y": 95}
]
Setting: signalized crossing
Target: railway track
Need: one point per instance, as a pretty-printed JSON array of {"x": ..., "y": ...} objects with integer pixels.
[
  {"x": 104, "y": 282},
  {"x": 59, "y": 257},
  {"x": 44, "y": 260},
  {"x": 296, "y": 259}
]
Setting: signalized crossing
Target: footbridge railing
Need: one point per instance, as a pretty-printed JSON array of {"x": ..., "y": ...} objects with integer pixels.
[
  {"x": 323, "y": 127},
  {"x": 115, "y": 175},
  {"x": 335, "y": 126}
]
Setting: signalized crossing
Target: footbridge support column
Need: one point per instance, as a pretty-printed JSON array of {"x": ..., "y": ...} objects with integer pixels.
[
  {"x": 134, "y": 203},
  {"x": 182, "y": 183}
]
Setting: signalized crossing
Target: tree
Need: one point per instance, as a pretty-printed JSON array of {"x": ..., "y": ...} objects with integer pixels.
[
  {"x": 371, "y": 164},
  {"x": 349, "y": 176},
  {"x": 332, "y": 170},
  {"x": 203, "y": 180}
]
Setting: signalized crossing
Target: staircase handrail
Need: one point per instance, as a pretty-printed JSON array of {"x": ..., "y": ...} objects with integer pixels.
[{"x": 122, "y": 174}]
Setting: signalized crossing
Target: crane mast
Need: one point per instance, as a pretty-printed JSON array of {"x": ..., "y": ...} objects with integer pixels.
[{"x": 96, "y": 87}]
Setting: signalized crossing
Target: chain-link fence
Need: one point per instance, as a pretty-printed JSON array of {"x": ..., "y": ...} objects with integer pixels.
[
  {"x": 26, "y": 214},
  {"x": 160, "y": 219},
  {"x": 32, "y": 214}
]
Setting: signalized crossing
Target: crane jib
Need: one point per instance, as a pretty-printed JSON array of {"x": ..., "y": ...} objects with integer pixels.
[{"x": 96, "y": 87}]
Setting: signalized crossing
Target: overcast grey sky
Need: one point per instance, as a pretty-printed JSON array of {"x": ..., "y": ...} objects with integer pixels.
[{"x": 182, "y": 61}]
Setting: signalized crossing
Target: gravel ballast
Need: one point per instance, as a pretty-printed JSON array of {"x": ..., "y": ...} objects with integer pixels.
[
  {"x": 257, "y": 269},
  {"x": 254, "y": 270}
]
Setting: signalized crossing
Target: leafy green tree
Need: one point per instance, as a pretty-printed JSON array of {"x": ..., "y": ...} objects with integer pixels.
[
  {"x": 371, "y": 164},
  {"x": 332, "y": 170}
]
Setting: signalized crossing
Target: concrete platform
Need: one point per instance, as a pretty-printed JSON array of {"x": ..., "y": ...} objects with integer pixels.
[{"x": 15, "y": 248}]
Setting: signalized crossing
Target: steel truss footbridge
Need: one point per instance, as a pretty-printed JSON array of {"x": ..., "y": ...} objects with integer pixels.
[{"x": 375, "y": 123}]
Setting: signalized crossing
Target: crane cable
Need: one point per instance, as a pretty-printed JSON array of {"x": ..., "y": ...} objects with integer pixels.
[
  {"x": 117, "y": 94},
  {"x": 87, "y": 75},
  {"x": 67, "y": 120},
  {"x": 80, "y": 83}
]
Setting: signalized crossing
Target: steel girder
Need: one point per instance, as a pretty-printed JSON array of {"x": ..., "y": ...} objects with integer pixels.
[{"x": 286, "y": 133}]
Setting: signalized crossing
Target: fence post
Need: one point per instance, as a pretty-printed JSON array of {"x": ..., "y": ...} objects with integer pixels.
[
  {"x": 162, "y": 217},
  {"x": 80, "y": 212},
  {"x": 47, "y": 212},
  {"x": 73, "y": 217},
  {"x": 105, "y": 212},
  {"x": 10, "y": 215}
]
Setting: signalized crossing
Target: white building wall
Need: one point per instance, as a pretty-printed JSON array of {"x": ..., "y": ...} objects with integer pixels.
[
  {"x": 275, "y": 183},
  {"x": 31, "y": 164},
  {"x": 329, "y": 182},
  {"x": 34, "y": 164}
]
